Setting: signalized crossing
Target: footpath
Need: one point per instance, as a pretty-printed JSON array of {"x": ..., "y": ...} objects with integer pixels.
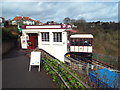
[{"x": 15, "y": 72}]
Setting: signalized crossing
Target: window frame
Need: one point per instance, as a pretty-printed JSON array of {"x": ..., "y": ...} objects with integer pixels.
[
  {"x": 57, "y": 36},
  {"x": 82, "y": 40},
  {"x": 45, "y": 36}
]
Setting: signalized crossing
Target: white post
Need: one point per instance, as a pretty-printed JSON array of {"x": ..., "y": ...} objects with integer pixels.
[
  {"x": 39, "y": 40},
  {"x": 39, "y": 68},
  {"x": 30, "y": 68}
]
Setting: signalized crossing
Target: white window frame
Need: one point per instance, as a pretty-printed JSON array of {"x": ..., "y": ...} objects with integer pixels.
[
  {"x": 45, "y": 36},
  {"x": 57, "y": 36}
]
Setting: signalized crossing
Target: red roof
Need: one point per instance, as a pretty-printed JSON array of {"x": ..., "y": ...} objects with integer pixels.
[
  {"x": 22, "y": 18},
  {"x": 72, "y": 31},
  {"x": 37, "y": 21}
]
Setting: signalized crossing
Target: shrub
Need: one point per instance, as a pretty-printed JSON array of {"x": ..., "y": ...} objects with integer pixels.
[{"x": 8, "y": 36}]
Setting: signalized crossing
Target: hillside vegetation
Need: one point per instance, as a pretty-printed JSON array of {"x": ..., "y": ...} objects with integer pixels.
[
  {"x": 105, "y": 38},
  {"x": 9, "y": 34},
  {"x": 105, "y": 35}
]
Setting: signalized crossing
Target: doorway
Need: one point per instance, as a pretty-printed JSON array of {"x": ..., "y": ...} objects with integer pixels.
[{"x": 33, "y": 40}]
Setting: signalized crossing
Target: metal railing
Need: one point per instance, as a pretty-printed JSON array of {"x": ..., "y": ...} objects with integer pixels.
[{"x": 84, "y": 68}]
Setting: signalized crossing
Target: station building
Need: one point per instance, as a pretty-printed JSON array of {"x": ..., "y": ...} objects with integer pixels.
[{"x": 51, "y": 38}]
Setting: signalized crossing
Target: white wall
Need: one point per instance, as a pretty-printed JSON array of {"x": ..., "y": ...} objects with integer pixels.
[
  {"x": 28, "y": 22},
  {"x": 57, "y": 49},
  {"x": 14, "y": 23},
  {"x": 0, "y": 20}
]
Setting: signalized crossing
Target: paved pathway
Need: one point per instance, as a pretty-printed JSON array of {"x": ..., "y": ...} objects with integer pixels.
[{"x": 15, "y": 73}]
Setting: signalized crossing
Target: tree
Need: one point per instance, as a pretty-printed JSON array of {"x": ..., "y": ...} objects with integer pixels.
[
  {"x": 6, "y": 23},
  {"x": 72, "y": 21},
  {"x": 81, "y": 20},
  {"x": 81, "y": 24},
  {"x": 66, "y": 20}
]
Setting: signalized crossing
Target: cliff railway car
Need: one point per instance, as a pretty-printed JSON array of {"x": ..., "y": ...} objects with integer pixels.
[{"x": 81, "y": 47}]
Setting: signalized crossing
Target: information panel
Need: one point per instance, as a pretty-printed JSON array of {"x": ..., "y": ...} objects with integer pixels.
[
  {"x": 23, "y": 42},
  {"x": 35, "y": 59}
]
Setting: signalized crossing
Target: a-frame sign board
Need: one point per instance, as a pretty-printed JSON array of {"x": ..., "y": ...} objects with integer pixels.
[{"x": 35, "y": 59}]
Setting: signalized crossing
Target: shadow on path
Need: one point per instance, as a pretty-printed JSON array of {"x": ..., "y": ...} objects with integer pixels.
[{"x": 15, "y": 72}]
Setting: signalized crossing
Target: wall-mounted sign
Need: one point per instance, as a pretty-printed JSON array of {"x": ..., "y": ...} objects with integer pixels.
[{"x": 24, "y": 42}]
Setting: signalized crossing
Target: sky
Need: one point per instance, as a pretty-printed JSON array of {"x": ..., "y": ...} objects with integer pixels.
[{"x": 58, "y": 10}]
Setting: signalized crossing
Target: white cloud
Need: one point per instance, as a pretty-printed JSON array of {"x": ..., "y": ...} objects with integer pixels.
[
  {"x": 57, "y": 11},
  {"x": 61, "y": 0}
]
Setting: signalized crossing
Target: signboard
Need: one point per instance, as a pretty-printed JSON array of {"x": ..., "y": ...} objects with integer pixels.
[
  {"x": 23, "y": 42},
  {"x": 35, "y": 59}
]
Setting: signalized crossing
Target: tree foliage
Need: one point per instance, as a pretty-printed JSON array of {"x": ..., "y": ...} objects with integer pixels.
[
  {"x": 105, "y": 35},
  {"x": 7, "y": 34},
  {"x": 67, "y": 20}
]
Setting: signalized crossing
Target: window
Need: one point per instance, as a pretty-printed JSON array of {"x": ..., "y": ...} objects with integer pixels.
[
  {"x": 57, "y": 36},
  {"x": 81, "y": 42},
  {"x": 72, "y": 42},
  {"x": 45, "y": 36},
  {"x": 88, "y": 42},
  {"x": 76, "y": 42}
]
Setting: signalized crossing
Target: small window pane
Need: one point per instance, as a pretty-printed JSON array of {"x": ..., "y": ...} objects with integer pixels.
[
  {"x": 87, "y": 42},
  {"x": 45, "y": 36},
  {"x": 57, "y": 36},
  {"x": 72, "y": 42}
]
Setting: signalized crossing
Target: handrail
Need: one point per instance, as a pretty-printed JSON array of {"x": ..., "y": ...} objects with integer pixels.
[
  {"x": 74, "y": 76},
  {"x": 58, "y": 75}
]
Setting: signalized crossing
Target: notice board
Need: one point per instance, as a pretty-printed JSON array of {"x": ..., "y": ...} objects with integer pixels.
[{"x": 35, "y": 59}]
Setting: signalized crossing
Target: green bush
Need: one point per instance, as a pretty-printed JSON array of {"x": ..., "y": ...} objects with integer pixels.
[{"x": 7, "y": 35}]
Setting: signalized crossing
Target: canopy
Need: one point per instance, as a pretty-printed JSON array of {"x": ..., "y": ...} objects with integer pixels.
[{"x": 82, "y": 36}]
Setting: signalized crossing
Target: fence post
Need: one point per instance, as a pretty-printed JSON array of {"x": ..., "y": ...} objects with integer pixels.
[
  {"x": 58, "y": 68},
  {"x": 59, "y": 82},
  {"x": 87, "y": 68}
]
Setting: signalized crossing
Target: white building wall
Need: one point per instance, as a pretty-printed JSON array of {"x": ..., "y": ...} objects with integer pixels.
[
  {"x": 0, "y": 20},
  {"x": 28, "y": 22},
  {"x": 14, "y": 23},
  {"x": 57, "y": 49}
]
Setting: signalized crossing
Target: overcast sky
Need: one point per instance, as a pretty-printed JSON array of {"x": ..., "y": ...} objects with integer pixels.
[{"x": 57, "y": 11}]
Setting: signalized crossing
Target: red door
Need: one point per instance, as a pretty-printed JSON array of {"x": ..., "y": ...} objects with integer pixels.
[{"x": 31, "y": 42}]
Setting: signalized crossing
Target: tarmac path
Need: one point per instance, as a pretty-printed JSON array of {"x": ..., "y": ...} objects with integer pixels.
[{"x": 15, "y": 72}]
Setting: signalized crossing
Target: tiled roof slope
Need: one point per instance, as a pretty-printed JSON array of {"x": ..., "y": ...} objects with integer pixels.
[{"x": 22, "y": 18}]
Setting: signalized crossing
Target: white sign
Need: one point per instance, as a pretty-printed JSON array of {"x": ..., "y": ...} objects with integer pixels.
[
  {"x": 35, "y": 59},
  {"x": 23, "y": 42}
]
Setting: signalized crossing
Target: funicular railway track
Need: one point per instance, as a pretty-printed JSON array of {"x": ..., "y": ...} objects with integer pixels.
[
  {"x": 83, "y": 60},
  {"x": 94, "y": 62},
  {"x": 106, "y": 65}
]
